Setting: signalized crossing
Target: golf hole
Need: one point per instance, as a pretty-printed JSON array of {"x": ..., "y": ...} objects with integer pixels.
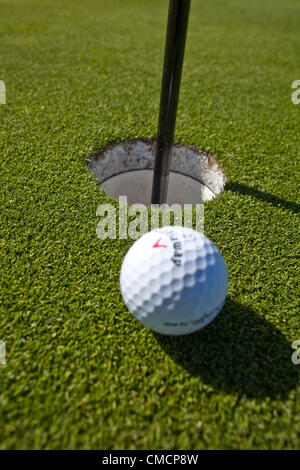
[{"x": 126, "y": 169}]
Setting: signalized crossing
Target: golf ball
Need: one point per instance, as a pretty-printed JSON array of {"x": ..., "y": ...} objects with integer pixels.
[{"x": 174, "y": 280}]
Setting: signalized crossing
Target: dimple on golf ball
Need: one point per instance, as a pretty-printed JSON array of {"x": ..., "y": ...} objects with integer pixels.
[{"x": 174, "y": 280}]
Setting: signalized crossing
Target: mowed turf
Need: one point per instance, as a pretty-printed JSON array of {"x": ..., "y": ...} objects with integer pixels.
[{"x": 81, "y": 372}]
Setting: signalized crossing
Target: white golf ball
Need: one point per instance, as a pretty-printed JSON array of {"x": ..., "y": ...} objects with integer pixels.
[{"x": 174, "y": 280}]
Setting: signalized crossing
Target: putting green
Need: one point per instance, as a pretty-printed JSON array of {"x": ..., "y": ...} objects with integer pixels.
[{"x": 80, "y": 371}]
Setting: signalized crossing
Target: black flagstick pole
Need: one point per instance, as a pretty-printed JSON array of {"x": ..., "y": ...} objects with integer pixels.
[{"x": 173, "y": 61}]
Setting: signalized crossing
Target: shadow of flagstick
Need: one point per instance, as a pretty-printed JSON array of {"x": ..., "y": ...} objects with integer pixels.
[{"x": 263, "y": 196}]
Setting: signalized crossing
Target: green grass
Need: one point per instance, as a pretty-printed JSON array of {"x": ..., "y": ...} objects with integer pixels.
[{"x": 81, "y": 372}]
